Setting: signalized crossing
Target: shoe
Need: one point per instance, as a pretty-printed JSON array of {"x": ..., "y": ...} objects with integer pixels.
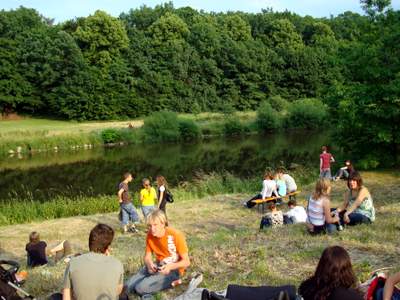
[
  {"x": 124, "y": 229},
  {"x": 133, "y": 229}
]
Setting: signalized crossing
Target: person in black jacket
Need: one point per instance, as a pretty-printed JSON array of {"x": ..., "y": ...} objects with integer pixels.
[{"x": 333, "y": 279}]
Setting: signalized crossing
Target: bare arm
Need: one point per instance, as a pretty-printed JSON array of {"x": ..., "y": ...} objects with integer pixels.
[
  {"x": 327, "y": 212},
  {"x": 119, "y": 289},
  {"x": 120, "y": 195},
  {"x": 345, "y": 203},
  {"x": 360, "y": 198},
  {"x": 183, "y": 263},
  {"x": 160, "y": 198},
  {"x": 67, "y": 294},
  {"x": 332, "y": 158},
  {"x": 148, "y": 261},
  {"x": 320, "y": 164},
  {"x": 389, "y": 286}
]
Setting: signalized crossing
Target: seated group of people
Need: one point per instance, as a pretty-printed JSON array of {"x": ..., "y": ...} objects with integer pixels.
[{"x": 276, "y": 184}]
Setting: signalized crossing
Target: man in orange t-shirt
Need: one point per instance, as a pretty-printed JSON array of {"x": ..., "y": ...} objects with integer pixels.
[{"x": 171, "y": 252}]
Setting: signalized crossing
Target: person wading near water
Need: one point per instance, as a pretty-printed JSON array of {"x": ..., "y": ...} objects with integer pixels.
[{"x": 128, "y": 213}]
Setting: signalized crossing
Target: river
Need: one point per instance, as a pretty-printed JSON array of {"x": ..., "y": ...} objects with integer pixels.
[{"x": 97, "y": 171}]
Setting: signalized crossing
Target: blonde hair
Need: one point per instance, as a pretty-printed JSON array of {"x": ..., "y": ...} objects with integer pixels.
[
  {"x": 162, "y": 181},
  {"x": 321, "y": 188},
  {"x": 34, "y": 237},
  {"x": 155, "y": 215}
]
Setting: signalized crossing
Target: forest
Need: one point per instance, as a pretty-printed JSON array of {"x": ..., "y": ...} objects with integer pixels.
[{"x": 102, "y": 67}]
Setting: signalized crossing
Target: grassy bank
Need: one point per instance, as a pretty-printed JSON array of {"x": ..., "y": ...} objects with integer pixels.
[{"x": 224, "y": 241}]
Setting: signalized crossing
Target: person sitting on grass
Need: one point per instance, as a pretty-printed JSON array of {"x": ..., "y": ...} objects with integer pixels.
[
  {"x": 273, "y": 218},
  {"x": 333, "y": 279},
  {"x": 319, "y": 218},
  {"x": 37, "y": 252},
  {"x": 291, "y": 185},
  {"x": 148, "y": 198},
  {"x": 94, "y": 275},
  {"x": 268, "y": 189},
  {"x": 296, "y": 214},
  {"x": 389, "y": 292},
  {"x": 171, "y": 253},
  {"x": 358, "y": 206},
  {"x": 345, "y": 172}
]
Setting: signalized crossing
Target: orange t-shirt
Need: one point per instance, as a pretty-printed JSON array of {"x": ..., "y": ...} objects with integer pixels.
[{"x": 169, "y": 248}]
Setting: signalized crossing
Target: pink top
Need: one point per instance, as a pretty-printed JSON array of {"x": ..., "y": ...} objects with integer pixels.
[{"x": 326, "y": 160}]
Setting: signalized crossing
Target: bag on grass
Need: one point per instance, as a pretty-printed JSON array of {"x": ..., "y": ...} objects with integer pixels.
[{"x": 169, "y": 196}]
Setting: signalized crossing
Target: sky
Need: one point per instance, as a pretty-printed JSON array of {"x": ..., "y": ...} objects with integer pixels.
[{"x": 62, "y": 10}]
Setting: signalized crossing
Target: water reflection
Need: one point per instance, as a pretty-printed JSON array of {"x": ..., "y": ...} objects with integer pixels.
[{"x": 97, "y": 171}]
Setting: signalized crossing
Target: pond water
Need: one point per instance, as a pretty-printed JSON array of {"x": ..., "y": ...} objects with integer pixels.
[{"x": 98, "y": 171}]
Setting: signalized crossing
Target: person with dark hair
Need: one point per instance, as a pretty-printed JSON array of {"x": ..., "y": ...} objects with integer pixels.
[
  {"x": 273, "y": 218},
  {"x": 128, "y": 212},
  {"x": 319, "y": 218},
  {"x": 345, "y": 172},
  {"x": 94, "y": 275},
  {"x": 296, "y": 214},
  {"x": 269, "y": 188},
  {"x": 325, "y": 160},
  {"x": 37, "y": 252},
  {"x": 358, "y": 206},
  {"x": 333, "y": 279}
]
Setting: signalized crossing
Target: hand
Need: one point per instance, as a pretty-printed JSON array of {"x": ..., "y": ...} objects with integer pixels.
[
  {"x": 346, "y": 218},
  {"x": 152, "y": 268},
  {"x": 120, "y": 201},
  {"x": 165, "y": 269}
]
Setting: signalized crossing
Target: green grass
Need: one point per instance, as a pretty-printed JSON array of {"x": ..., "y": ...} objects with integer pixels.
[{"x": 224, "y": 242}]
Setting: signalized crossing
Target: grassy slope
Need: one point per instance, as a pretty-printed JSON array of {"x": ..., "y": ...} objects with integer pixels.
[{"x": 225, "y": 244}]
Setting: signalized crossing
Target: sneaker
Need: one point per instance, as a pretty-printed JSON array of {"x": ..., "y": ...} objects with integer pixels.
[{"x": 133, "y": 229}]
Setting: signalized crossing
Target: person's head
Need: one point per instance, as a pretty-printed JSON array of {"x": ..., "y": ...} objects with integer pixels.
[
  {"x": 34, "y": 237},
  {"x": 146, "y": 183},
  {"x": 355, "y": 181},
  {"x": 100, "y": 238},
  {"x": 268, "y": 175},
  {"x": 280, "y": 171},
  {"x": 157, "y": 221},
  {"x": 322, "y": 188},
  {"x": 277, "y": 176},
  {"x": 161, "y": 181},
  {"x": 292, "y": 203},
  {"x": 272, "y": 206},
  {"x": 334, "y": 270},
  {"x": 324, "y": 148},
  {"x": 128, "y": 177},
  {"x": 348, "y": 164}
]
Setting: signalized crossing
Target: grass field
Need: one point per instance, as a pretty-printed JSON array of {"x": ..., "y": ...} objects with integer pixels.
[{"x": 224, "y": 241}]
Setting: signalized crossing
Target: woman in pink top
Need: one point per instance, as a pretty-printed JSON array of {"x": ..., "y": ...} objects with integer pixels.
[{"x": 325, "y": 160}]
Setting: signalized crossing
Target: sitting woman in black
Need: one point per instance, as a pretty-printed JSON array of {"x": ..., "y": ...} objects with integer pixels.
[{"x": 334, "y": 278}]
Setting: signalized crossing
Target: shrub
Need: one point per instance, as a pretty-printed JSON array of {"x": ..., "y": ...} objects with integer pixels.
[
  {"x": 188, "y": 129},
  {"x": 307, "y": 113},
  {"x": 233, "y": 126},
  {"x": 162, "y": 126},
  {"x": 267, "y": 117},
  {"x": 110, "y": 135},
  {"x": 278, "y": 103}
]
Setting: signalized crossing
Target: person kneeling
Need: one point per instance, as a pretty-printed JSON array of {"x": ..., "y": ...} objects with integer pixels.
[
  {"x": 171, "y": 252},
  {"x": 272, "y": 219}
]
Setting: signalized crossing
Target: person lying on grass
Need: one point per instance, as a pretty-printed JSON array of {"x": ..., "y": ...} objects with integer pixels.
[
  {"x": 171, "y": 253},
  {"x": 38, "y": 252}
]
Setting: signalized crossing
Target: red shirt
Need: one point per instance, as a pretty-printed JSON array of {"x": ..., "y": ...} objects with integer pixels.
[{"x": 326, "y": 160}]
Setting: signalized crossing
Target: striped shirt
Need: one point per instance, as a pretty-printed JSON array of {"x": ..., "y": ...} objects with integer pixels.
[{"x": 315, "y": 211}]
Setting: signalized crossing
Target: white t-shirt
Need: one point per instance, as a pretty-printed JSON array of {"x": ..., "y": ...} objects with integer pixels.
[
  {"x": 161, "y": 188},
  {"x": 290, "y": 183},
  {"x": 269, "y": 186},
  {"x": 298, "y": 213}
]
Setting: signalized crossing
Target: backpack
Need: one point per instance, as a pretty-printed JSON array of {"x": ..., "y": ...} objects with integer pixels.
[{"x": 169, "y": 197}]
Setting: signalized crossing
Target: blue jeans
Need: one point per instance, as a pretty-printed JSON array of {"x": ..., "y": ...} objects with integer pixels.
[
  {"x": 395, "y": 295},
  {"x": 129, "y": 213},
  {"x": 325, "y": 173},
  {"x": 357, "y": 218},
  {"x": 144, "y": 283},
  {"x": 327, "y": 228},
  {"x": 146, "y": 210}
]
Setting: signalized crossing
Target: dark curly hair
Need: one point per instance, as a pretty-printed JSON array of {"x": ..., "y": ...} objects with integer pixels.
[{"x": 334, "y": 270}]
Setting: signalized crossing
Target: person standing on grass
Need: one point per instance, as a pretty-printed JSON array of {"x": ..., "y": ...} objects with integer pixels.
[
  {"x": 128, "y": 213},
  {"x": 325, "y": 160},
  {"x": 162, "y": 193},
  {"x": 148, "y": 197},
  {"x": 171, "y": 252},
  {"x": 94, "y": 275}
]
